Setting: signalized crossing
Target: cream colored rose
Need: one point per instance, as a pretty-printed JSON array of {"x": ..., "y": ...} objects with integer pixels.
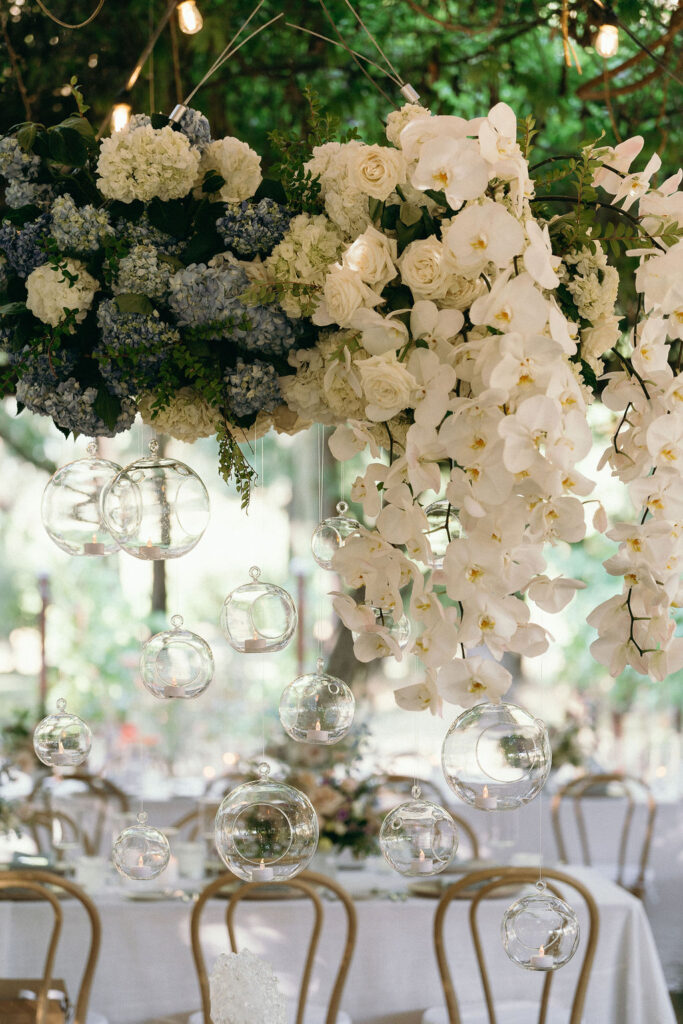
[
  {"x": 387, "y": 385},
  {"x": 344, "y": 293},
  {"x": 372, "y": 256},
  {"x": 462, "y": 292},
  {"x": 187, "y": 417},
  {"x": 425, "y": 268},
  {"x": 237, "y": 163},
  {"x": 398, "y": 119},
  {"x": 50, "y": 291},
  {"x": 377, "y": 170}
]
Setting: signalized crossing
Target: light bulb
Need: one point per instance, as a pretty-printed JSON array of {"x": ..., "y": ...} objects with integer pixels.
[
  {"x": 120, "y": 116},
  {"x": 190, "y": 20},
  {"x": 607, "y": 40}
]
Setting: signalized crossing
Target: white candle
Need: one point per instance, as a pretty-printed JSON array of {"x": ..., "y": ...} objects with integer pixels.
[
  {"x": 254, "y": 644},
  {"x": 62, "y": 756},
  {"x": 422, "y": 865},
  {"x": 150, "y": 550},
  {"x": 92, "y": 547},
  {"x": 542, "y": 961},
  {"x": 262, "y": 873},
  {"x": 174, "y": 691},
  {"x": 485, "y": 802},
  {"x": 317, "y": 735}
]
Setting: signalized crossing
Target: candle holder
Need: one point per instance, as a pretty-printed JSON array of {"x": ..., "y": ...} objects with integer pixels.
[
  {"x": 140, "y": 852},
  {"x": 444, "y": 526},
  {"x": 496, "y": 757},
  {"x": 418, "y": 837},
  {"x": 62, "y": 740},
  {"x": 399, "y": 628},
  {"x": 331, "y": 534},
  {"x": 266, "y": 830},
  {"x": 156, "y": 508},
  {"x": 258, "y": 617},
  {"x": 176, "y": 663},
  {"x": 71, "y": 508},
  {"x": 317, "y": 708},
  {"x": 540, "y": 932}
]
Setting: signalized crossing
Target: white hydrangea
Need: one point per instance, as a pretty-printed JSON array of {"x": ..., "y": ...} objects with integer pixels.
[
  {"x": 325, "y": 387},
  {"x": 51, "y": 291},
  {"x": 302, "y": 259},
  {"x": 345, "y": 204},
  {"x": 244, "y": 990},
  {"x": 237, "y": 163},
  {"x": 147, "y": 163},
  {"x": 187, "y": 417},
  {"x": 398, "y": 119},
  {"x": 594, "y": 284}
]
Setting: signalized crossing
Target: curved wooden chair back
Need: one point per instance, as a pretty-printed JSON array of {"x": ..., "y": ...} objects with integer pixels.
[
  {"x": 102, "y": 790},
  {"x": 191, "y": 822},
  {"x": 306, "y": 883},
  {"x": 38, "y": 882},
  {"x": 402, "y": 785},
  {"x": 495, "y": 878},
  {"x": 629, "y": 786},
  {"x": 41, "y": 823}
]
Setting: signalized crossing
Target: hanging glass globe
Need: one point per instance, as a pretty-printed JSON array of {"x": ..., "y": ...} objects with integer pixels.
[
  {"x": 317, "y": 708},
  {"x": 418, "y": 837},
  {"x": 331, "y": 534},
  {"x": 266, "y": 830},
  {"x": 540, "y": 932},
  {"x": 140, "y": 852},
  {"x": 399, "y": 629},
  {"x": 444, "y": 526},
  {"x": 71, "y": 508},
  {"x": 62, "y": 740},
  {"x": 258, "y": 617},
  {"x": 176, "y": 663},
  {"x": 156, "y": 508},
  {"x": 496, "y": 756}
]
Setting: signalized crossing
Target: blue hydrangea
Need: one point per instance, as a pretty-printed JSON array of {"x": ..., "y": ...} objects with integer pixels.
[
  {"x": 79, "y": 230},
  {"x": 252, "y": 387},
  {"x": 138, "y": 121},
  {"x": 15, "y": 164},
  {"x": 250, "y": 230},
  {"x": 202, "y": 294},
  {"x": 196, "y": 127},
  {"x": 141, "y": 232},
  {"x": 22, "y": 246},
  {"x": 24, "y": 193},
  {"x": 267, "y": 330},
  {"x": 142, "y": 273},
  {"x": 132, "y": 348}
]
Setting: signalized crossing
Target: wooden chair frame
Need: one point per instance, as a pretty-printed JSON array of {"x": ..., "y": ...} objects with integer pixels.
[
  {"x": 37, "y": 882},
  {"x": 497, "y": 877},
  {"x": 426, "y": 785},
  {"x": 581, "y": 787},
  {"x": 192, "y": 818},
  {"x": 305, "y": 882},
  {"x": 98, "y": 787},
  {"x": 37, "y": 819}
]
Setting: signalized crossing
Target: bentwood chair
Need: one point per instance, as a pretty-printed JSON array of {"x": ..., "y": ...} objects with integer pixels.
[
  {"x": 44, "y": 1008},
  {"x": 94, "y": 796},
  {"x": 616, "y": 784},
  {"x": 50, "y": 828},
  {"x": 308, "y": 884},
  {"x": 517, "y": 1011},
  {"x": 393, "y": 789}
]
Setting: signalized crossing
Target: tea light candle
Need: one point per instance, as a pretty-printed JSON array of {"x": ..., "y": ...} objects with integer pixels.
[
  {"x": 486, "y": 802},
  {"x": 254, "y": 644},
  {"x": 61, "y": 757},
  {"x": 174, "y": 690},
  {"x": 422, "y": 865},
  {"x": 542, "y": 961},
  {"x": 92, "y": 547},
  {"x": 262, "y": 873},
  {"x": 317, "y": 735},
  {"x": 150, "y": 550}
]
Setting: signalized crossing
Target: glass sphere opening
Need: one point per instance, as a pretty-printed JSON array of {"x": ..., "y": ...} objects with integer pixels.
[
  {"x": 317, "y": 708},
  {"x": 176, "y": 663},
  {"x": 258, "y": 617},
  {"x": 62, "y": 740},
  {"x": 418, "y": 838},
  {"x": 71, "y": 507},
  {"x": 444, "y": 526},
  {"x": 140, "y": 852},
  {"x": 331, "y": 534},
  {"x": 540, "y": 932}
]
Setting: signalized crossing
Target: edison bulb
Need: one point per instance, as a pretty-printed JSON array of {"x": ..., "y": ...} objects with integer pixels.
[
  {"x": 607, "y": 40},
  {"x": 120, "y": 116},
  {"x": 190, "y": 20}
]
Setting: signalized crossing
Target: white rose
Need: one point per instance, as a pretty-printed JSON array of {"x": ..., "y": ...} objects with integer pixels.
[
  {"x": 398, "y": 119},
  {"x": 425, "y": 269},
  {"x": 372, "y": 256},
  {"x": 237, "y": 163},
  {"x": 344, "y": 293},
  {"x": 387, "y": 385},
  {"x": 462, "y": 292},
  {"x": 377, "y": 170},
  {"x": 187, "y": 417},
  {"x": 49, "y": 292}
]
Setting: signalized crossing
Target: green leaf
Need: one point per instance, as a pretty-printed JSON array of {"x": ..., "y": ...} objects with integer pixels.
[
  {"x": 375, "y": 208},
  {"x": 406, "y": 234},
  {"x": 129, "y": 302},
  {"x": 26, "y": 136},
  {"x": 13, "y": 309},
  {"x": 213, "y": 182},
  {"x": 107, "y": 407},
  {"x": 588, "y": 374}
]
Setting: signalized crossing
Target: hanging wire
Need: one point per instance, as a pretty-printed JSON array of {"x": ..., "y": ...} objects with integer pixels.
[
  {"x": 355, "y": 59},
  {"x": 65, "y": 24},
  {"x": 321, "y": 474},
  {"x": 373, "y": 40},
  {"x": 263, "y": 660},
  {"x": 540, "y": 803},
  {"x": 354, "y": 53}
]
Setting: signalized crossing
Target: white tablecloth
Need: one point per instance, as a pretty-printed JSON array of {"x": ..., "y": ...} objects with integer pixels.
[{"x": 146, "y": 968}]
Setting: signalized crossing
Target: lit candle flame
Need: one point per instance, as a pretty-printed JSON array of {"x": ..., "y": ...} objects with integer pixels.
[
  {"x": 541, "y": 951},
  {"x": 60, "y": 745},
  {"x": 317, "y": 726},
  {"x": 485, "y": 792},
  {"x": 262, "y": 864},
  {"x": 94, "y": 538},
  {"x": 149, "y": 543},
  {"x": 422, "y": 855},
  {"x": 141, "y": 862}
]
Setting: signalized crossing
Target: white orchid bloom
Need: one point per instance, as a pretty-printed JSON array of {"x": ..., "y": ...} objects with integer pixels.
[
  {"x": 553, "y": 595},
  {"x": 418, "y": 133},
  {"x": 380, "y": 334},
  {"x": 620, "y": 159},
  {"x": 454, "y": 167},
  {"x": 633, "y": 186},
  {"x": 351, "y": 438},
  {"x": 483, "y": 234},
  {"x": 356, "y": 617},
  {"x": 665, "y": 440},
  {"x": 420, "y": 696},
  {"x": 433, "y": 324},
  {"x": 469, "y": 681},
  {"x": 511, "y": 305},
  {"x": 364, "y": 488},
  {"x": 538, "y": 256}
]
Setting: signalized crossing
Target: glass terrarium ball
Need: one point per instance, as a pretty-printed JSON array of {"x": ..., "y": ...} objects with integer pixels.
[
  {"x": 156, "y": 507},
  {"x": 140, "y": 852},
  {"x": 418, "y": 837},
  {"x": 330, "y": 535},
  {"x": 72, "y": 506},
  {"x": 399, "y": 629},
  {"x": 444, "y": 526},
  {"x": 266, "y": 830},
  {"x": 258, "y": 617},
  {"x": 317, "y": 708},
  {"x": 176, "y": 663},
  {"x": 62, "y": 740},
  {"x": 540, "y": 932},
  {"x": 496, "y": 756}
]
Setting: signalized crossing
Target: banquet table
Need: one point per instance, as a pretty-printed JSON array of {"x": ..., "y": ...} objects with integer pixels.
[{"x": 146, "y": 969}]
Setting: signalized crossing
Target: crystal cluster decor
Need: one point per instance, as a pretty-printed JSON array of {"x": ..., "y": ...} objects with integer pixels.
[
  {"x": 331, "y": 534},
  {"x": 444, "y": 526},
  {"x": 176, "y": 663},
  {"x": 258, "y": 617},
  {"x": 62, "y": 740},
  {"x": 418, "y": 837},
  {"x": 317, "y": 708},
  {"x": 71, "y": 508},
  {"x": 140, "y": 851},
  {"x": 496, "y": 756},
  {"x": 540, "y": 932},
  {"x": 156, "y": 507},
  {"x": 266, "y": 830}
]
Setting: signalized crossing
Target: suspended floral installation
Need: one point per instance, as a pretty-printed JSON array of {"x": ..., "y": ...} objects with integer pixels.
[{"x": 434, "y": 299}]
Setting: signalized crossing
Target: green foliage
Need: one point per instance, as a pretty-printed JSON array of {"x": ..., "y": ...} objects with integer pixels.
[{"x": 234, "y": 466}]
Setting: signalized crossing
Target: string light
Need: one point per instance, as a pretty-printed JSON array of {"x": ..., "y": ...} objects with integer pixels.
[
  {"x": 120, "y": 116},
  {"x": 190, "y": 20},
  {"x": 607, "y": 37}
]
